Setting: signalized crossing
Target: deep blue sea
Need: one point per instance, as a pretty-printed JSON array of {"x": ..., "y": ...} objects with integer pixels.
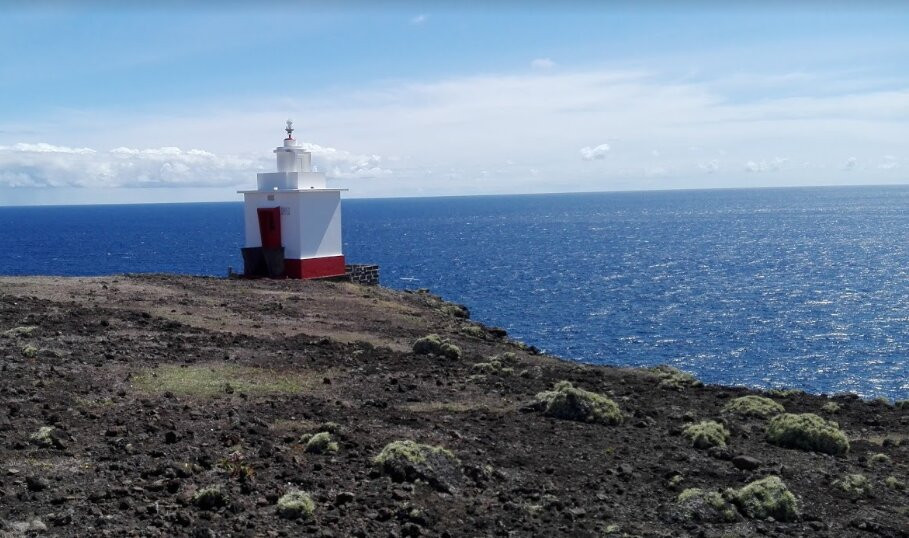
[{"x": 804, "y": 288}]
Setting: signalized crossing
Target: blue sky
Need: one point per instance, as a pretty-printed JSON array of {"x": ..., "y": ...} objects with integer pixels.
[{"x": 105, "y": 104}]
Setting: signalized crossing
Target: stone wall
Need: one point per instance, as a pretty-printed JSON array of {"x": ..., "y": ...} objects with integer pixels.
[{"x": 367, "y": 275}]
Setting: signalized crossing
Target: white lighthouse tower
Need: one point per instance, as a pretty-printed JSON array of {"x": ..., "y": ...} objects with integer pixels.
[{"x": 293, "y": 222}]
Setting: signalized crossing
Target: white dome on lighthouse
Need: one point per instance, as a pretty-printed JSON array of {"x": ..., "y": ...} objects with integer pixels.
[{"x": 294, "y": 165}]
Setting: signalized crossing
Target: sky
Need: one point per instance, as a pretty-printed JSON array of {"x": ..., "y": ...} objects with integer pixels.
[{"x": 183, "y": 102}]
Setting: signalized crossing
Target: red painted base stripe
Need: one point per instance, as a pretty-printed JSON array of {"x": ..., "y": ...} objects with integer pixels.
[{"x": 314, "y": 267}]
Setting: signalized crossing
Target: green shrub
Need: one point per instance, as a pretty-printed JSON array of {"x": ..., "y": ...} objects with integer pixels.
[
  {"x": 408, "y": 461},
  {"x": 768, "y": 497},
  {"x": 321, "y": 443},
  {"x": 831, "y": 407},
  {"x": 474, "y": 330},
  {"x": 296, "y": 504},
  {"x": 24, "y": 331},
  {"x": 673, "y": 378},
  {"x": 455, "y": 310},
  {"x": 706, "y": 434},
  {"x": 30, "y": 351},
  {"x": 807, "y": 431},
  {"x": 893, "y": 482},
  {"x": 705, "y": 506},
  {"x": 433, "y": 344},
  {"x": 901, "y": 404},
  {"x": 879, "y": 458},
  {"x": 754, "y": 406},
  {"x": 853, "y": 485},
  {"x": 570, "y": 403},
  {"x": 44, "y": 437},
  {"x": 210, "y": 498}
]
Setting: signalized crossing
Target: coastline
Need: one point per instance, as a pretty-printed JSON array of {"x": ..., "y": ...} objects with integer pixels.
[{"x": 154, "y": 384}]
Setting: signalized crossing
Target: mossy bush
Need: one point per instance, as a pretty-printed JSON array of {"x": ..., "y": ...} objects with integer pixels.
[
  {"x": 473, "y": 330},
  {"x": 855, "y": 485},
  {"x": 296, "y": 504},
  {"x": 831, "y": 407},
  {"x": 893, "y": 482},
  {"x": 24, "y": 331},
  {"x": 567, "y": 402},
  {"x": 455, "y": 310},
  {"x": 706, "y": 506},
  {"x": 754, "y": 406},
  {"x": 767, "y": 497},
  {"x": 210, "y": 498},
  {"x": 706, "y": 434},
  {"x": 45, "y": 437},
  {"x": 433, "y": 344},
  {"x": 320, "y": 443},
  {"x": 673, "y": 378},
  {"x": 30, "y": 351},
  {"x": 408, "y": 461},
  {"x": 496, "y": 365},
  {"x": 879, "y": 459},
  {"x": 807, "y": 431}
]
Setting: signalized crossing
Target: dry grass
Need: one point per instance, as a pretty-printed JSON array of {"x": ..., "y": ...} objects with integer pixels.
[{"x": 212, "y": 379}]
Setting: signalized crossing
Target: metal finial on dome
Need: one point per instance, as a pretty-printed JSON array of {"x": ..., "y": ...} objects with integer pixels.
[{"x": 290, "y": 130}]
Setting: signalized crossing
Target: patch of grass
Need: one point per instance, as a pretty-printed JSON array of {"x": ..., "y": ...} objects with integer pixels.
[
  {"x": 768, "y": 497},
  {"x": 213, "y": 379},
  {"x": 754, "y": 406},
  {"x": 831, "y": 407},
  {"x": 855, "y": 486},
  {"x": 433, "y": 344},
  {"x": 807, "y": 431},
  {"x": 673, "y": 378},
  {"x": 296, "y": 504},
  {"x": 24, "y": 331},
  {"x": 571, "y": 403},
  {"x": 706, "y": 434}
]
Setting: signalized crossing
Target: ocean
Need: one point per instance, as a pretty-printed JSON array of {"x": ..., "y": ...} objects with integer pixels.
[{"x": 802, "y": 287}]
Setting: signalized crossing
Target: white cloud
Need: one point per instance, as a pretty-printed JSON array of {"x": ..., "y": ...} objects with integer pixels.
[
  {"x": 46, "y": 165},
  {"x": 888, "y": 163},
  {"x": 772, "y": 165},
  {"x": 419, "y": 19},
  {"x": 542, "y": 63},
  {"x": 850, "y": 163},
  {"x": 591, "y": 153},
  {"x": 710, "y": 166}
]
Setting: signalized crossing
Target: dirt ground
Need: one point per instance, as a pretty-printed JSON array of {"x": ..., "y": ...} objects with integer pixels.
[{"x": 123, "y": 399}]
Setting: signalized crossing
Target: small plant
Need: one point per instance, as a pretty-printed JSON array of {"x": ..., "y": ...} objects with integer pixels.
[
  {"x": 474, "y": 330},
  {"x": 901, "y": 404},
  {"x": 433, "y": 344},
  {"x": 768, "y": 497},
  {"x": 24, "y": 331},
  {"x": 30, "y": 351},
  {"x": 210, "y": 498},
  {"x": 706, "y": 506},
  {"x": 893, "y": 482},
  {"x": 321, "y": 443},
  {"x": 831, "y": 407},
  {"x": 783, "y": 393},
  {"x": 46, "y": 437},
  {"x": 236, "y": 466},
  {"x": 408, "y": 461},
  {"x": 879, "y": 458},
  {"x": 807, "y": 431},
  {"x": 853, "y": 485},
  {"x": 570, "y": 403},
  {"x": 754, "y": 406},
  {"x": 296, "y": 504},
  {"x": 455, "y": 310},
  {"x": 706, "y": 434},
  {"x": 673, "y": 378}
]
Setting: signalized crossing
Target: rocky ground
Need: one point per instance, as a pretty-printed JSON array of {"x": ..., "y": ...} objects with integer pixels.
[{"x": 182, "y": 406}]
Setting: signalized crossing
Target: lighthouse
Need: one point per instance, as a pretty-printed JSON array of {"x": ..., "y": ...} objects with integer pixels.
[{"x": 292, "y": 220}]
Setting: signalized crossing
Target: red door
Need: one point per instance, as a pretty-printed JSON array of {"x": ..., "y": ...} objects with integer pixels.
[{"x": 270, "y": 226}]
